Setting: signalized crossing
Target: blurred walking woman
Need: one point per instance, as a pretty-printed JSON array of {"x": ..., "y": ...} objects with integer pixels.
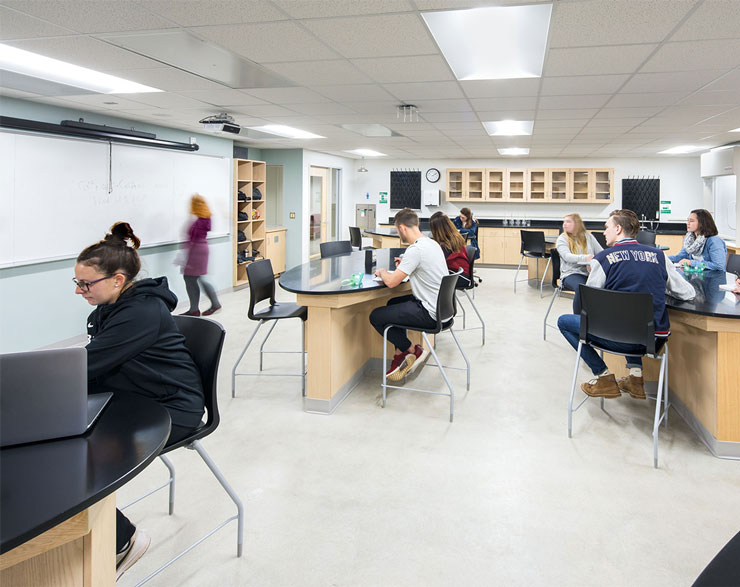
[
  {"x": 135, "y": 348},
  {"x": 702, "y": 243},
  {"x": 196, "y": 265},
  {"x": 576, "y": 247}
]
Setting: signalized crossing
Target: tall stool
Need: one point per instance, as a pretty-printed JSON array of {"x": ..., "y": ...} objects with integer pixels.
[
  {"x": 464, "y": 284},
  {"x": 262, "y": 287},
  {"x": 623, "y": 317},
  {"x": 446, "y": 310},
  {"x": 533, "y": 247}
]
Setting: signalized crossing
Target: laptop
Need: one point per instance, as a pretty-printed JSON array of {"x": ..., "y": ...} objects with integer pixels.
[{"x": 43, "y": 395}]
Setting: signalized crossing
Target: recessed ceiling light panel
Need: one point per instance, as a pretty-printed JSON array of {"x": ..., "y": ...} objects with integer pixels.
[
  {"x": 514, "y": 151},
  {"x": 508, "y": 128},
  {"x": 286, "y": 131},
  {"x": 497, "y": 42},
  {"x": 681, "y": 150},
  {"x": 60, "y": 72}
]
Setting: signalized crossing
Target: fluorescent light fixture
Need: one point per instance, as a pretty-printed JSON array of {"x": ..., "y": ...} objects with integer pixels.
[
  {"x": 286, "y": 131},
  {"x": 514, "y": 151},
  {"x": 509, "y": 128},
  {"x": 38, "y": 66},
  {"x": 365, "y": 153},
  {"x": 497, "y": 42},
  {"x": 681, "y": 150},
  {"x": 735, "y": 130}
]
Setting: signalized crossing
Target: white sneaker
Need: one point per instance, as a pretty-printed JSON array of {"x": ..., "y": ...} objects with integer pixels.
[
  {"x": 421, "y": 355},
  {"x": 135, "y": 549}
]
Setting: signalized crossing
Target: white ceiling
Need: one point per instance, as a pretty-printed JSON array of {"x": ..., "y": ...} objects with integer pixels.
[{"x": 622, "y": 78}]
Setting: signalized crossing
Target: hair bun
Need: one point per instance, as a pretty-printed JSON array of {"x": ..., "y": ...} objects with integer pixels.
[{"x": 122, "y": 231}]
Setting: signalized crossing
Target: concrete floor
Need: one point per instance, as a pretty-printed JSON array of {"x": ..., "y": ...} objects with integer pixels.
[{"x": 399, "y": 496}]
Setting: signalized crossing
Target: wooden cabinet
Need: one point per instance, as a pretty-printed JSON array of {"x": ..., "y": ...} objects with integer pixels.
[
  {"x": 500, "y": 246},
  {"x": 496, "y": 186},
  {"x": 275, "y": 248},
  {"x": 248, "y": 216},
  {"x": 550, "y": 185}
]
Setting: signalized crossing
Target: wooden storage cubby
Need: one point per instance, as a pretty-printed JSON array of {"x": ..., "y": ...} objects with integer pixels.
[
  {"x": 559, "y": 185},
  {"x": 538, "y": 185},
  {"x": 248, "y": 176},
  {"x": 496, "y": 184},
  {"x": 455, "y": 186},
  {"x": 516, "y": 185}
]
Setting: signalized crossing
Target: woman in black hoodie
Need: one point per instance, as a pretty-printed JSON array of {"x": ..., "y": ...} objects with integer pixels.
[{"x": 135, "y": 348}]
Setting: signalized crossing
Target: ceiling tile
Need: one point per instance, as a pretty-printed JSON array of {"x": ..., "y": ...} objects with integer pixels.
[
  {"x": 87, "y": 52},
  {"x": 609, "y": 112},
  {"x": 390, "y": 35},
  {"x": 267, "y": 42},
  {"x": 521, "y": 103},
  {"x": 583, "y": 84},
  {"x": 385, "y": 107},
  {"x": 698, "y": 55},
  {"x": 16, "y": 25},
  {"x": 555, "y": 114},
  {"x": 425, "y": 90},
  {"x": 168, "y": 79},
  {"x": 715, "y": 19},
  {"x": 167, "y": 100},
  {"x": 211, "y": 12},
  {"x": 729, "y": 97},
  {"x": 324, "y": 8},
  {"x": 596, "y": 60},
  {"x": 615, "y": 122},
  {"x": 265, "y": 111},
  {"x": 500, "y": 88},
  {"x": 355, "y": 93},
  {"x": 317, "y": 109},
  {"x": 114, "y": 102},
  {"x": 426, "y": 106},
  {"x": 449, "y": 116},
  {"x": 586, "y": 101},
  {"x": 320, "y": 72},
  {"x": 423, "y": 68},
  {"x": 674, "y": 81},
  {"x": 730, "y": 81},
  {"x": 92, "y": 16},
  {"x": 647, "y": 99},
  {"x": 224, "y": 97},
  {"x": 577, "y": 24},
  {"x": 287, "y": 95}
]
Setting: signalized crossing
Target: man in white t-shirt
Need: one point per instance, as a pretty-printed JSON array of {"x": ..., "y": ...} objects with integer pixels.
[{"x": 424, "y": 264}]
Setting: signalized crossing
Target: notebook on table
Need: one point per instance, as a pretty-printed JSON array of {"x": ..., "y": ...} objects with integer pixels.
[{"x": 43, "y": 396}]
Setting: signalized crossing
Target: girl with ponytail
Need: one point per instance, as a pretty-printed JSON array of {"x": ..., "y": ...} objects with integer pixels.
[{"x": 135, "y": 349}]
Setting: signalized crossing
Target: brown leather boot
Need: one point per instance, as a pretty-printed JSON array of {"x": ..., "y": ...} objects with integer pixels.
[
  {"x": 635, "y": 386},
  {"x": 604, "y": 386}
]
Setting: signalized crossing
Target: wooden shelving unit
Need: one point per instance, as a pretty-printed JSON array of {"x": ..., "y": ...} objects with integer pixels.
[
  {"x": 560, "y": 188},
  {"x": 538, "y": 188},
  {"x": 249, "y": 179},
  {"x": 516, "y": 185},
  {"x": 582, "y": 190},
  {"x": 455, "y": 184},
  {"x": 496, "y": 188},
  {"x": 475, "y": 183}
]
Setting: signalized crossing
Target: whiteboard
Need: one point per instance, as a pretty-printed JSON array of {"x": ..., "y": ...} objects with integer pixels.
[{"x": 59, "y": 195}]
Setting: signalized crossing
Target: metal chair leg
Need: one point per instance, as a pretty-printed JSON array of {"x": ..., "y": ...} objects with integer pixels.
[
  {"x": 462, "y": 352},
  {"x": 657, "y": 418},
  {"x": 544, "y": 274},
  {"x": 666, "y": 403},
  {"x": 244, "y": 350},
  {"x": 385, "y": 361},
  {"x": 517, "y": 271},
  {"x": 475, "y": 309},
  {"x": 170, "y": 482},
  {"x": 264, "y": 340},
  {"x": 444, "y": 375},
  {"x": 573, "y": 390},
  {"x": 459, "y": 305},
  {"x": 547, "y": 314}
]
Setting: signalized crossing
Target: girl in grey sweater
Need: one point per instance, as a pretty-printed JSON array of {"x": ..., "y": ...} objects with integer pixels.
[{"x": 576, "y": 247}]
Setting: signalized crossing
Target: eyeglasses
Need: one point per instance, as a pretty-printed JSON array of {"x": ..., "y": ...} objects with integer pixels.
[{"x": 85, "y": 285}]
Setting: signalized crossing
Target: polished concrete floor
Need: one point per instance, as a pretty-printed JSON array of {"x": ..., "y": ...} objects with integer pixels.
[{"x": 399, "y": 496}]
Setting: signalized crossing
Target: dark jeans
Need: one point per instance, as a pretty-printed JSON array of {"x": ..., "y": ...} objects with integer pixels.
[
  {"x": 406, "y": 310},
  {"x": 193, "y": 283},
  {"x": 124, "y": 528},
  {"x": 570, "y": 327},
  {"x": 571, "y": 283}
]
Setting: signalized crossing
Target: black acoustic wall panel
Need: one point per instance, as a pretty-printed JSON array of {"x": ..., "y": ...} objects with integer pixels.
[
  {"x": 406, "y": 189},
  {"x": 642, "y": 196}
]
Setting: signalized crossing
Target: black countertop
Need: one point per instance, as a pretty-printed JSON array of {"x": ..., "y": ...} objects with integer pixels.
[
  {"x": 325, "y": 276},
  {"x": 45, "y": 483},
  {"x": 710, "y": 300}
]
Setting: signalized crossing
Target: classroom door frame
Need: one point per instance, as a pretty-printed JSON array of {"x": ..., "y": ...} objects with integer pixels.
[{"x": 322, "y": 174}]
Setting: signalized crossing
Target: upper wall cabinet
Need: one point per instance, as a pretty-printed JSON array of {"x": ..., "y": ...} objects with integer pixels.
[{"x": 551, "y": 185}]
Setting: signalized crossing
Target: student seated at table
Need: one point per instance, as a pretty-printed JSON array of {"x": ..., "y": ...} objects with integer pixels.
[
  {"x": 468, "y": 227},
  {"x": 452, "y": 243},
  {"x": 424, "y": 264},
  {"x": 702, "y": 243},
  {"x": 576, "y": 247},
  {"x": 633, "y": 267},
  {"x": 134, "y": 348}
]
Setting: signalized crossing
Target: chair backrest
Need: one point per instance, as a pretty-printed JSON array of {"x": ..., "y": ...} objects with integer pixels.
[
  {"x": 355, "y": 237},
  {"x": 446, "y": 306},
  {"x": 733, "y": 263},
  {"x": 204, "y": 338},
  {"x": 645, "y": 237},
  {"x": 463, "y": 282},
  {"x": 618, "y": 316},
  {"x": 600, "y": 238},
  {"x": 555, "y": 264},
  {"x": 533, "y": 241},
  {"x": 334, "y": 248},
  {"x": 261, "y": 285}
]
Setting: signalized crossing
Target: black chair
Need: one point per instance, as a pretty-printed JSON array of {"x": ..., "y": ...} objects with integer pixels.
[
  {"x": 724, "y": 569},
  {"x": 600, "y": 238},
  {"x": 534, "y": 247},
  {"x": 624, "y": 317},
  {"x": 355, "y": 238},
  {"x": 446, "y": 310},
  {"x": 646, "y": 237},
  {"x": 464, "y": 284},
  {"x": 262, "y": 287},
  {"x": 733, "y": 263},
  {"x": 204, "y": 339},
  {"x": 334, "y": 248}
]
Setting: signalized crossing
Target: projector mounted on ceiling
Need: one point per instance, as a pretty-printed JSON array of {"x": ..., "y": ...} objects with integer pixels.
[{"x": 220, "y": 123}]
